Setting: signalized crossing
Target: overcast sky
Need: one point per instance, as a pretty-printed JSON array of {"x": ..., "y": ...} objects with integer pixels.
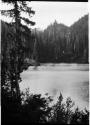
[{"x": 64, "y": 12}]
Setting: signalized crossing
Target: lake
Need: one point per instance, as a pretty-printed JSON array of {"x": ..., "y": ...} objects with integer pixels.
[{"x": 72, "y": 80}]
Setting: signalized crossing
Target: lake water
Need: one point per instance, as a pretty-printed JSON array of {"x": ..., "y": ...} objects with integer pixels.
[{"x": 72, "y": 80}]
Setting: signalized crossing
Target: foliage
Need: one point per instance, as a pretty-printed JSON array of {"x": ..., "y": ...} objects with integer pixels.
[
  {"x": 63, "y": 113},
  {"x": 59, "y": 43},
  {"x": 13, "y": 58},
  {"x": 34, "y": 109},
  {"x": 52, "y": 45}
]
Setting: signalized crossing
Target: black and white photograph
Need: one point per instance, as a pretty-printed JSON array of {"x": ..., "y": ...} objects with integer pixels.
[{"x": 44, "y": 62}]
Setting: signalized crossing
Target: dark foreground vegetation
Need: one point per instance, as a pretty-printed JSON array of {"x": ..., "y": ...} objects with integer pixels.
[
  {"x": 19, "y": 45},
  {"x": 36, "y": 109}
]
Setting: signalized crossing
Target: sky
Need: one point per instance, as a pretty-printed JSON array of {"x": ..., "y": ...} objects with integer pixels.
[{"x": 64, "y": 12}]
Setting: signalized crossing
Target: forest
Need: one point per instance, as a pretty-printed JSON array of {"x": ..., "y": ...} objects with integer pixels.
[
  {"x": 20, "y": 44},
  {"x": 57, "y": 43}
]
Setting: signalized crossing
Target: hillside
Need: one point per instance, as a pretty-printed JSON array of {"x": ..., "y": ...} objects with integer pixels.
[
  {"x": 57, "y": 43},
  {"x": 79, "y": 38}
]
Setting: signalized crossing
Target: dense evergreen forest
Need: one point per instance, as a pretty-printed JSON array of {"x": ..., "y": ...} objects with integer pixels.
[{"x": 58, "y": 43}]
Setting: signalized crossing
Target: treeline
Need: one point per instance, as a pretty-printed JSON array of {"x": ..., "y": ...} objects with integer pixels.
[{"x": 59, "y": 43}]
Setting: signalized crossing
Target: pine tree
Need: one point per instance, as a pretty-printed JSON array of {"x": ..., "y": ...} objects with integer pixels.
[{"x": 15, "y": 59}]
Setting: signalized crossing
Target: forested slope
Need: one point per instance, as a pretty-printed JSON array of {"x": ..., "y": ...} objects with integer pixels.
[{"x": 57, "y": 43}]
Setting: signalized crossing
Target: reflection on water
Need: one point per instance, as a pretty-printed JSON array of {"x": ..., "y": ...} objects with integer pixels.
[{"x": 70, "y": 79}]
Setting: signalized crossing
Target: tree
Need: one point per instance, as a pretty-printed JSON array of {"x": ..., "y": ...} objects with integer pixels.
[
  {"x": 68, "y": 110},
  {"x": 58, "y": 111},
  {"x": 62, "y": 111},
  {"x": 35, "y": 108},
  {"x": 12, "y": 61},
  {"x": 59, "y": 43},
  {"x": 16, "y": 53}
]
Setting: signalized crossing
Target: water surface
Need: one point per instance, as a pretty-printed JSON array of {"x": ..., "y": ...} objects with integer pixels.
[{"x": 72, "y": 80}]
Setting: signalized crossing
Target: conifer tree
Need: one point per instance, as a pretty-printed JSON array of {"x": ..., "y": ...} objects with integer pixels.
[{"x": 15, "y": 59}]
